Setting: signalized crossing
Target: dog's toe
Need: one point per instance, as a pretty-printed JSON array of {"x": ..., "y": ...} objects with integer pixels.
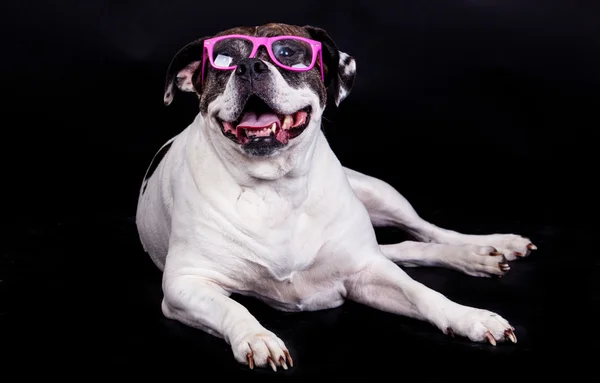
[
  {"x": 512, "y": 246},
  {"x": 482, "y": 326},
  {"x": 262, "y": 349},
  {"x": 480, "y": 261}
]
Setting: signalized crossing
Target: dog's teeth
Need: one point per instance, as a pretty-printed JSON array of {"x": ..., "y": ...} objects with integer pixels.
[
  {"x": 287, "y": 122},
  {"x": 273, "y": 127}
]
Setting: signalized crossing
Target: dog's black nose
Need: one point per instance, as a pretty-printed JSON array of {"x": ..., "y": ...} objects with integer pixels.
[{"x": 251, "y": 69}]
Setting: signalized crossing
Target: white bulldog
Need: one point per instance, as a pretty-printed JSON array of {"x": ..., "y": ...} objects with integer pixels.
[{"x": 250, "y": 199}]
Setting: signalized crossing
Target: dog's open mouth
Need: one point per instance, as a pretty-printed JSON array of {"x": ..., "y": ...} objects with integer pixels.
[{"x": 258, "y": 122}]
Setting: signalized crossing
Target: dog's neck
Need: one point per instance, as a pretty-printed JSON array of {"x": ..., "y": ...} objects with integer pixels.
[{"x": 287, "y": 171}]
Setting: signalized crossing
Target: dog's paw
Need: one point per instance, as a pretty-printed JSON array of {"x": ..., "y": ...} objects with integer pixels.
[
  {"x": 262, "y": 349},
  {"x": 512, "y": 246},
  {"x": 480, "y": 326},
  {"x": 477, "y": 261}
]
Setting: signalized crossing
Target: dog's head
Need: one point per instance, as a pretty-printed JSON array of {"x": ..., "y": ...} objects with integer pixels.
[{"x": 263, "y": 95}]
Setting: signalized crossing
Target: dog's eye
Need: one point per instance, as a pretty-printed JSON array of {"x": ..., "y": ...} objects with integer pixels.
[
  {"x": 285, "y": 52},
  {"x": 292, "y": 53}
]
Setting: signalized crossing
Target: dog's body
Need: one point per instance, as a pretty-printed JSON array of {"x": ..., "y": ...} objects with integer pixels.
[{"x": 224, "y": 212}]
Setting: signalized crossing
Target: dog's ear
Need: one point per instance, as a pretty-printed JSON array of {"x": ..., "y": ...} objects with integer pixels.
[
  {"x": 184, "y": 70},
  {"x": 339, "y": 67}
]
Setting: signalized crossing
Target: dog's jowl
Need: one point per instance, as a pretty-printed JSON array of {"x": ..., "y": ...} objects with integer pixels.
[{"x": 250, "y": 199}]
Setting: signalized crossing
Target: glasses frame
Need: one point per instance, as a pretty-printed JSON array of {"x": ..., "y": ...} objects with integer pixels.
[{"x": 267, "y": 42}]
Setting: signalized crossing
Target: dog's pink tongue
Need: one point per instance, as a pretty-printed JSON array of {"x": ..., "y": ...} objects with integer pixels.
[{"x": 251, "y": 120}]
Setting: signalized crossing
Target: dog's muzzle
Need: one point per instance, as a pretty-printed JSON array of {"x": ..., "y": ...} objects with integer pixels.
[{"x": 260, "y": 125}]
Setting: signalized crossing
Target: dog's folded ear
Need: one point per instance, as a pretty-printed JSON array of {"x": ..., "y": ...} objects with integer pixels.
[
  {"x": 339, "y": 67},
  {"x": 183, "y": 70}
]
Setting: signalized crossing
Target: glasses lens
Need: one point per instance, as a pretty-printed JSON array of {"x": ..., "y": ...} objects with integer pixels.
[
  {"x": 292, "y": 53},
  {"x": 228, "y": 52}
]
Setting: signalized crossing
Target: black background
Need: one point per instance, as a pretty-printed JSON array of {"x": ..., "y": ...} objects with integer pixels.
[{"x": 484, "y": 114}]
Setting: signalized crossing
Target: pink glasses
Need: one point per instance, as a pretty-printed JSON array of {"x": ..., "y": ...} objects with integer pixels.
[{"x": 292, "y": 53}]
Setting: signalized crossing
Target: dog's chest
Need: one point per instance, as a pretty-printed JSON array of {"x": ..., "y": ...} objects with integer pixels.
[
  {"x": 285, "y": 238},
  {"x": 264, "y": 209},
  {"x": 287, "y": 261}
]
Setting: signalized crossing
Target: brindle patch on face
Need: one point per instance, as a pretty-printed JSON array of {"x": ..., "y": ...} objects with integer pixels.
[
  {"x": 311, "y": 78},
  {"x": 216, "y": 80}
]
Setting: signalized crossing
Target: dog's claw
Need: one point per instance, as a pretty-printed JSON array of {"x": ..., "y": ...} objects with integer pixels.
[
  {"x": 271, "y": 363},
  {"x": 282, "y": 363},
  {"x": 450, "y": 332},
  {"x": 531, "y": 246},
  {"x": 490, "y": 338},
  {"x": 250, "y": 360},
  {"x": 510, "y": 335},
  {"x": 503, "y": 264},
  {"x": 289, "y": 358},
  {"x": 519, "y": 254},
  {"x": 496, "y": 252}
]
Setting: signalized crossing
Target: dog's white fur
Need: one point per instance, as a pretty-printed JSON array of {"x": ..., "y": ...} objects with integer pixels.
[{"x": 295, "y": 230}]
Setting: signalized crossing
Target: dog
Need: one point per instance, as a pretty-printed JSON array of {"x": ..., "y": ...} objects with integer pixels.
[{"x": 250, "y": 199}]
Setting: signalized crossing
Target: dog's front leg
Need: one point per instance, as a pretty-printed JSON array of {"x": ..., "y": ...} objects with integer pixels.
[
  {"x": 383, "y": 285},
  {"x": 203, "y": 304}
]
